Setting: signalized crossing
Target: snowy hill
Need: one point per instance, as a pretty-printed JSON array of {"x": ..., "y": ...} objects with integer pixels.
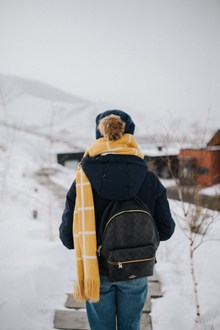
[
  {"x": 45, "y": 110},
  {"x": 18, "y": 86}
]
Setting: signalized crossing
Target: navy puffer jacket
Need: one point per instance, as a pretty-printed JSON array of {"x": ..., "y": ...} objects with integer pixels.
[{"x": 119, "y": 177}]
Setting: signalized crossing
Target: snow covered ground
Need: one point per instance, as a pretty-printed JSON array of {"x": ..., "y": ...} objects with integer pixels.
[
  {"x": 175, "y": 310},
  {"x": 211, "y": 191},
  {"x": 36, "y": 271}
]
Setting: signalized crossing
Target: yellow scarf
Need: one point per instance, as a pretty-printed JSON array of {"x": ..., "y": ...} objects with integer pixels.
[{"x": 87, "y": 286}]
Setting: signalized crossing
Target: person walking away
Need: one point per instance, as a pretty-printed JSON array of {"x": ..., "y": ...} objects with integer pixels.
[{"x": 112, "y": 169}]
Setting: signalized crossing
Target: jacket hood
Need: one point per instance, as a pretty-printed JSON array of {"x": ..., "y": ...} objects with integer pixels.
[{"x": 115, "y": 177}]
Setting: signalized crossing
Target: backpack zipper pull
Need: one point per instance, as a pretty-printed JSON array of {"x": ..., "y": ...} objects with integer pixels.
[
  {"x": 120, "y": 265},
  {"x": 99, "y": 250}
]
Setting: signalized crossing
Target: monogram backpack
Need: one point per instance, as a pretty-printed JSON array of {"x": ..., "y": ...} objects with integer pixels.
[{"x": 128, "y": 240}]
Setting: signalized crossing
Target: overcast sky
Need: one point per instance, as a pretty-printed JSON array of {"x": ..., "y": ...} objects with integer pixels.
[{"x": 151, "y": 55}]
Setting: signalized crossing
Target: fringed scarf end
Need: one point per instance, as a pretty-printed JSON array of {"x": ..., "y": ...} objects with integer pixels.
[
  {"x": 92, "y": 290},
  {"x": 78, "y": 292}
]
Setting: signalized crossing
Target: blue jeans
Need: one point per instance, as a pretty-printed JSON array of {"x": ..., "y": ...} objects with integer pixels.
[{"x": 120, "y": 302}]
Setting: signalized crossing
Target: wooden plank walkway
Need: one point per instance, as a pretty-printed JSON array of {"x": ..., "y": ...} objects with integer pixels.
[{"x": 73, "y": 317}]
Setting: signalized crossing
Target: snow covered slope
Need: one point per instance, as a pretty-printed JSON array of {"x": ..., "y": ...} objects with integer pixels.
[
  {"x": 42, "y": 109},
  {"x": 35, "y": 269}
]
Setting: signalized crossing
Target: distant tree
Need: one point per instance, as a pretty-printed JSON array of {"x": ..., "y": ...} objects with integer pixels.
[{"x": 196, "y": 222}]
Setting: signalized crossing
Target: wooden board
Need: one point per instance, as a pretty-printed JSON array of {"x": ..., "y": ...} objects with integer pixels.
[
  {"x": 77, "y": 320},
  {"x": 147, "y": 306},
  {"x": 74, "y": 320},
  {"x": 153, "y": 278},
  {"x": 72, "y": 304},
  {"x": 146, "y": 322},
  {"x": 154, "y": 290}
]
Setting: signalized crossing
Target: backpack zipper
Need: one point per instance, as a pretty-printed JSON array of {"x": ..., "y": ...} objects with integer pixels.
[
  {"x": 99, "y": 250},
  {"x": 120, "y": 263},
  {"x": 126, "y": 211}
]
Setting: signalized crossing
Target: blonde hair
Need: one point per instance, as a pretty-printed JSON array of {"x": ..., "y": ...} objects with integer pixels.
[{"x": 112, "y": 127}]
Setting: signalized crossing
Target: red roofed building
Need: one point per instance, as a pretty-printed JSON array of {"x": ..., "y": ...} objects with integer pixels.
[{"x": 201, "y": 166}]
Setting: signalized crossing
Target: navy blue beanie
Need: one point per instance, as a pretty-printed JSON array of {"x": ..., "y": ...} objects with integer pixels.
[{"x": 129, "y": 124}]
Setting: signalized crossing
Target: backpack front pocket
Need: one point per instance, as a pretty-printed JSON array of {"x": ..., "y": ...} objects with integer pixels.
[{"x": 127, "y": 264}]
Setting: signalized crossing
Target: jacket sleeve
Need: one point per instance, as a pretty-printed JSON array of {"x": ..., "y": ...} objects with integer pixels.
[
  {"x": 65, "y": 229},
  {"x": 162, "y": 215}
]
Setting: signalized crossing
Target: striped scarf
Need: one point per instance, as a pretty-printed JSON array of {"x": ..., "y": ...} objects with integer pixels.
[{"x": 87, "y": 285}]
